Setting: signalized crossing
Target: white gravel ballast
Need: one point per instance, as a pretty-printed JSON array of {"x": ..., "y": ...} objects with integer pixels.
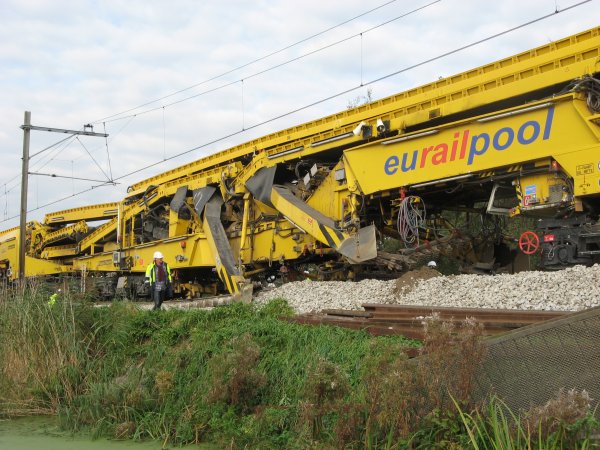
[{"x": 570, "y": 289}]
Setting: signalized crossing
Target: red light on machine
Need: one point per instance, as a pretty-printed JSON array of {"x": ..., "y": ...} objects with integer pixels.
[
  {"x": 183, "y": 244},
  {"x": 549, "y": 238},
  {"x": 554, "y": 165}
]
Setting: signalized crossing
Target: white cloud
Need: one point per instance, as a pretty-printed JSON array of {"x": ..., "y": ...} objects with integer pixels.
[{"x": 74, "y": 62}]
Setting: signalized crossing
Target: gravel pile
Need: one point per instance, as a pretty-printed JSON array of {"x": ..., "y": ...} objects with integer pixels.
[{"x": 574, "y": 289}]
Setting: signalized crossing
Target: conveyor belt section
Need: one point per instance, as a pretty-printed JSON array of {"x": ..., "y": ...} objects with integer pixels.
[
  {"x": 68, "y": 232},
  {"x": 88, "y": 213},
  {"x": 218, "y": 242},
  {"x": 358, "y": 247}
]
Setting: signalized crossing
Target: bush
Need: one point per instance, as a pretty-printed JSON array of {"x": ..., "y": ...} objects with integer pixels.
[{"x": 240, "y": 377}]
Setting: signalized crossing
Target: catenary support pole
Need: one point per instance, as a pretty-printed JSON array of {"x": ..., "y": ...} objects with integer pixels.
[
  {"x": 24, "y": 180},
  {"x": 27, "y": 127}
]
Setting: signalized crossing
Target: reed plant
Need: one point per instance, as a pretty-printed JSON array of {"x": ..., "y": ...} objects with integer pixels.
[
  {"x": 236, "y": 375},
  {"x": 240, "y": 377},
  {"x": 43, "y": 347},
  {"x": 497, "y": 427}
]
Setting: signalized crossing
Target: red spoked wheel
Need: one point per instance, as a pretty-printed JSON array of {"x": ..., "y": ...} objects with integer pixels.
[{"x": 529, "y": 242}]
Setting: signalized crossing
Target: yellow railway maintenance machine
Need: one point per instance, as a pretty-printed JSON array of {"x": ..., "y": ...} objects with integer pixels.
[{"x": 519, "y": 137}]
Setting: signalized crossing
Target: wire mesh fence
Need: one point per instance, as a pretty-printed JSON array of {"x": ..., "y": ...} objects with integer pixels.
[{"x": 529, "y": 366}]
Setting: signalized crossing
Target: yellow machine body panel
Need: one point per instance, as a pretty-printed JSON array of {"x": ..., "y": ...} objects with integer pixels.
[
  {"x": 460, "y": 150},
  {"x": 9, "y": 260},
  {"x": 89, "y": 213},
  {"x": 331, "y": 197},
  {"x": 37, "y": 267},
  {"x": 271, "y": 244},
  {"x": 325, "y": 192},
  {"x": 541, "y": 190},
  {"x": 539, "y": 68}
]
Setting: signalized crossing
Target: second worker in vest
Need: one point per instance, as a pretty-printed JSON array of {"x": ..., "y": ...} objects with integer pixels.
[{"x": 158, "y": 274}]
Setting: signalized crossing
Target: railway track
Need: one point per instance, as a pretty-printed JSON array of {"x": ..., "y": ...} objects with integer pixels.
[{"x": 407, "y": 320}]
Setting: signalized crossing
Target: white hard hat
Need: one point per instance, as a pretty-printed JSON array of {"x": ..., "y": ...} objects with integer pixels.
[
  {"x": 158, "y": 255},
  {"x": 431, "y": 264}
]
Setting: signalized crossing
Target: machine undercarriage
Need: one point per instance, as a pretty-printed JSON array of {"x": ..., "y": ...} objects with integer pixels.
[{"x": 496, "y": 169}]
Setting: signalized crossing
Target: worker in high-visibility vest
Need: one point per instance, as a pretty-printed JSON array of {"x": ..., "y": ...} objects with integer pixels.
[
  {"x": 53, "y": 298},
  {"x": 158, "y": 276}
]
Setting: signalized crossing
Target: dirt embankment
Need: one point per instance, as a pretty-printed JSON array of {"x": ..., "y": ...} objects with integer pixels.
[{"x": 409, "y": 280}]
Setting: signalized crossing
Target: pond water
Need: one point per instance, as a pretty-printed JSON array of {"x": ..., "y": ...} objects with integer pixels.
[{"x": 34, "y": 433}]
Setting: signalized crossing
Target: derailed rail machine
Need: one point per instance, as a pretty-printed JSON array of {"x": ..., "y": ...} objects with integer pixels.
[{"x": 519, "y": 137}]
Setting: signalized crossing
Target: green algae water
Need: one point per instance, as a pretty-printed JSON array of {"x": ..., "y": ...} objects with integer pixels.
[{"x": 34, "y": 433}]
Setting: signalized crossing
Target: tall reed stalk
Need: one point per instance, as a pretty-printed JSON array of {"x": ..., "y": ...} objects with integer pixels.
[
  {"x": 42, "y": 348},
  {"x": 496, "y": 427}
]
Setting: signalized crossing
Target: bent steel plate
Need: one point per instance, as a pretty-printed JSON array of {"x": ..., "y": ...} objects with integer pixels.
[{"x": 360, "y": 247}]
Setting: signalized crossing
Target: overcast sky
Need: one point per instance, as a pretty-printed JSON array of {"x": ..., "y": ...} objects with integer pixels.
[{"x": 77, "y": 62}]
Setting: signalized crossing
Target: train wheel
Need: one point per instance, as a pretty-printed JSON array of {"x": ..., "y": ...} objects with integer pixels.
[{"x": 529, "y": 242}]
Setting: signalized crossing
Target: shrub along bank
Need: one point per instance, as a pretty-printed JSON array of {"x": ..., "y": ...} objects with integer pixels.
[{"x": 236, "y": 376}]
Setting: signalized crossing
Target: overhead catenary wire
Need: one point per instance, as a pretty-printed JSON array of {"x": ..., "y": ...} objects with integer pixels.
[
  {"x": 51, "y": 156},
  {"x": 41, "y": 163},
  {"x": 55, "y": 150},
  {"x": 351, "y": 89},
  {"x": 93, "y": 159},
  {"x": 291, "y": 112},
  {"x": 41, "y": 151},
  {"x": 493, "y": 36},
  {"x": 262, "y": 58},
  {"x": 53, "y": 175},
  {"x": 62, "y": 199},
  {"x": 276, "y": 66},
  {"x": 107, "y": 152}
]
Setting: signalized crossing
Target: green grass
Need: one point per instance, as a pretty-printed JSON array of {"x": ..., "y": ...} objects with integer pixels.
[
  {"x": 498, "y": 428},
  {"x": 235, "y": 376}
]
